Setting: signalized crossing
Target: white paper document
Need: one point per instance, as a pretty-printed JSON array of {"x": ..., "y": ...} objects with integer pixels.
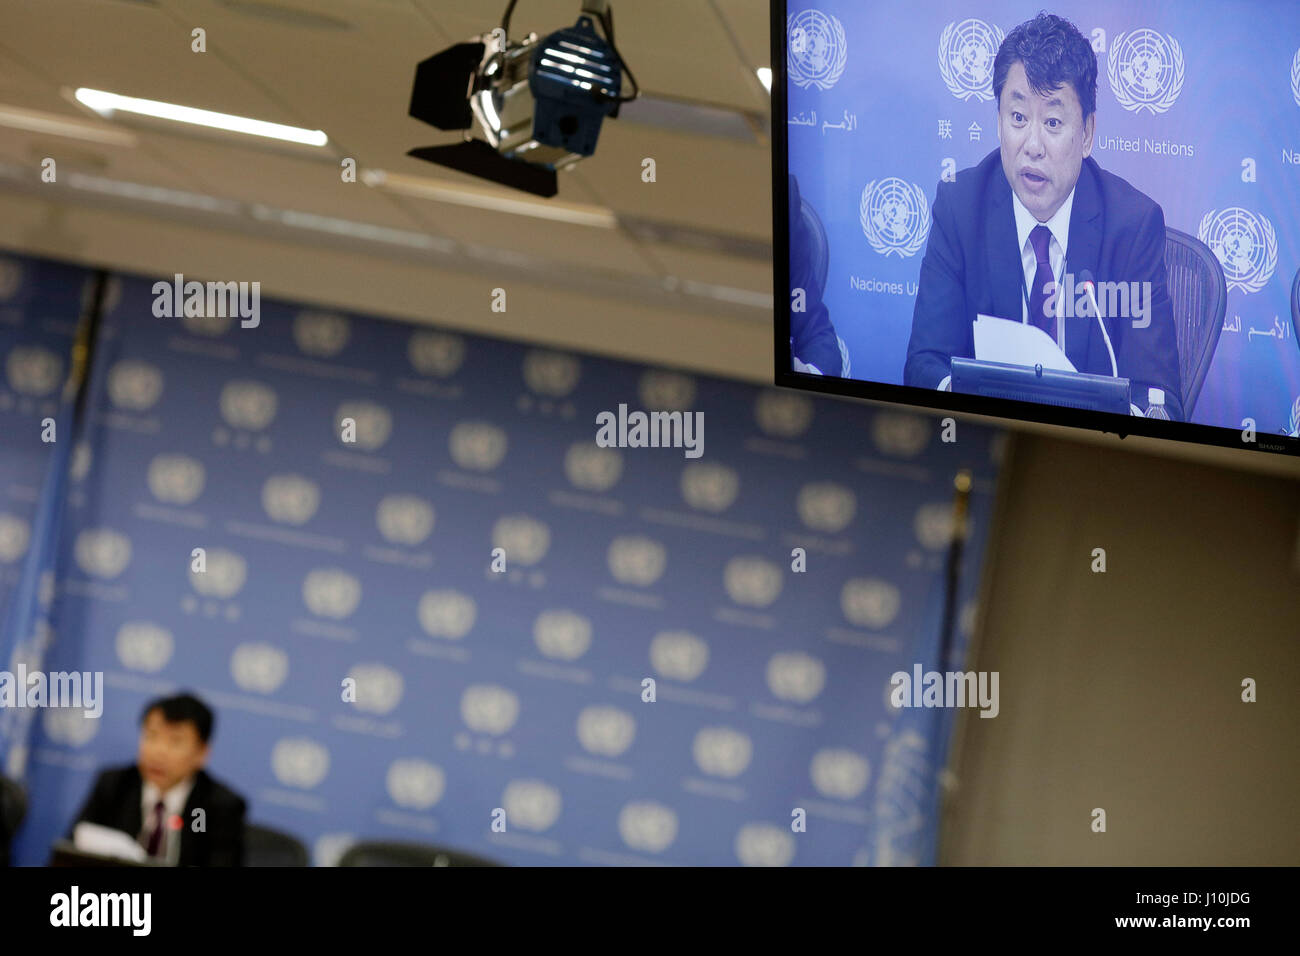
[
  {"x": 1017, "y": 343},
  {"x": 105, "y": 841}
]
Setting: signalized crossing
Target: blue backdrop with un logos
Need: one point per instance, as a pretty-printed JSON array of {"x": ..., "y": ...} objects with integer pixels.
[
  {"x": 477, "y": 690},
  {"x": 1198, "y": 106}
]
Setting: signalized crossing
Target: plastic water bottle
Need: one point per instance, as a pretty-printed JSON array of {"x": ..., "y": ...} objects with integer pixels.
[{"x": 1156, "y": 404}]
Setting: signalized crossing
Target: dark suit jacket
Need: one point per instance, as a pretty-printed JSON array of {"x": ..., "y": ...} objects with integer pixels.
[
  {"x": 115, "y": 802},
  {"x": 812, "y": 335},
  {"x": 972, "y": 264}
]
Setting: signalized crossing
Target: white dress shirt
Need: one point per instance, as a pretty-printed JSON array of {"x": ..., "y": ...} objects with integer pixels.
[
  {"x": 174, "y": 801},
  {"x": 1059, "y": 226}
]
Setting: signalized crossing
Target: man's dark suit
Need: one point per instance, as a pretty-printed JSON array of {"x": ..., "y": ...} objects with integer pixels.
[
  {"x": 972, "y": 265},
  {"x": 115, "y": 802},
  {"x": 812, "y": 335}
]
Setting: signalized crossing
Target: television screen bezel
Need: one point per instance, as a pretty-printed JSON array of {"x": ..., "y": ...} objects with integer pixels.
[{"x": 1007, "y": 409}]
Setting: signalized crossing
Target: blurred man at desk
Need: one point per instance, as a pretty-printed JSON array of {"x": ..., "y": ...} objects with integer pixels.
[
  {"x": 156, "y": 799},
  {"x": 1038, "y": 216}
]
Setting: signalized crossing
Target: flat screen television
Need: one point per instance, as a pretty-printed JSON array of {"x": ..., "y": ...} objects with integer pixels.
[{"x": 1085, "y": 213}]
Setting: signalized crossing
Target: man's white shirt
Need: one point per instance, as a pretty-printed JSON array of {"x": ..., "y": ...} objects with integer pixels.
[
  {"x": 174, "y": 801},
  {"x": 1059, "y": 226}
]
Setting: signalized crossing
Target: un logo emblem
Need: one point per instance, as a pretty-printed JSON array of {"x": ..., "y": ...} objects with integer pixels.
[
  {"x": 895, "y": 216},
  {"x": 448, "y": 614},
  {"x": 322, "y": 334},
  {"x": 69, "y": 726},
  {"x": 647, "y": 826},
  {"x": 1145, "y": 69},
  {"x": 752, "y": 581},
  {"x": 678, "y": 655},
  {"x": 404, "y": 519},
  {"x": 762, "y": 844},
  {"x": 817, "y": 49},
  {"x": 414, "y": 783},
  {"x": 722, "y": 752},
  {"x": 591, "y": 467},
  {"x": 781, "y": 415},
  {"x": 489, "y": 709},
  {"x": 299, "y": 762},
  {"x": 290, "y": 499},
  {"x": 795, "y": 677},
  {"x": 840, "y": 773},
  {"x": 102, "y": 553},
  {"x": 966, "y": 53},
  {"x": 33, "y": 370},
  {"x": 562, "y": 634},
  {"x": 261, "y": 668},
  {"x": 11, "y": 278},
  {"x": 247, "y": 405},
  {"x": 636, "y": 560},
  {"x": 551, "y": 373},
  {"x": 143, "y": 646},
  {"x": 134, "y": 386},
  {"x": 826, "y": 506},
  {"x": 900, "y": 434},
  {"x": 1295, "y": 77},
  {"x": 709, "y": 487},
  {"x": 606, "y": 731},
  {"x": 175, "y": 479},
  {"x": 331, "y": 592},
  {"x": 667, "y": 391},
  {"x": 934, "y": 525},
  {"x": 1244, "y": 242},
  {"x": 870, "y": 602},
  {"x": 15, "y": 535},
  {"x": 477, "y": 446},
  {"x": 378, "y": 688},
  {"x": 435, "y": 353},
  {"x": 531, "y": 804}
]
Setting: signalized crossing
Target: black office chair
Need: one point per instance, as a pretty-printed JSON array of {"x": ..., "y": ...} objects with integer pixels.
[
  {"x": 381, "y": 853},
  {"x": 1295, "y": 306},
  {"x": 13, "y": 808},
  {"x": 1200, "y": 297},
  {"x": 266, "y": 847}
]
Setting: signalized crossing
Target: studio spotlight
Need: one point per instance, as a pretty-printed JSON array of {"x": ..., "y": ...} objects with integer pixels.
[{"x": 527, "y": 108}]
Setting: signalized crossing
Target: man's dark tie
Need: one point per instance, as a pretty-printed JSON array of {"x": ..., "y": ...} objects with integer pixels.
[
  {"x": 1040, "y": 238},
  {"x": 156, "y": 833}
]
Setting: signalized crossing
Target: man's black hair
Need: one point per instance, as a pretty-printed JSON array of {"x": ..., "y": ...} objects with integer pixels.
[
  {"x": 1054, "y": 53},
  {"x": 181, "y": 708}
]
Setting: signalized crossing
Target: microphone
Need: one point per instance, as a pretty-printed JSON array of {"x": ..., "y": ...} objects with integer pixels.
[{"x": 1088, "y": 286}]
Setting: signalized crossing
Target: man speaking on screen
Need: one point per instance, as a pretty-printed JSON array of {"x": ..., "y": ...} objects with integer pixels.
[{"x": 1039, "y": 233}]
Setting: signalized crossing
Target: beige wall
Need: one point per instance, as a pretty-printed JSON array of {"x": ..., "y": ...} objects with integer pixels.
[{"x": 1122, "y": 690}]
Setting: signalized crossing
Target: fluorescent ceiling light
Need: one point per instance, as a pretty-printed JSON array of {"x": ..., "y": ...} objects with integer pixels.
[
  {"x": 478, "y": 198},
  {"x": 107, "y": 103},
  {"x": 36, "y": 122},
  {"x": 765, "y": 77}
]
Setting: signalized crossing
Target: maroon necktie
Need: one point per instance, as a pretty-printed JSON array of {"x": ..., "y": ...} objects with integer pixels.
[
  {"x": 155, "y": 837},
  {"x": 1040, "y": 238}
]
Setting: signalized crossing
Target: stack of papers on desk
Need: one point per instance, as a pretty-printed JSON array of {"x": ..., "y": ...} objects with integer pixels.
[
  {"x": 1017, "y": 343},
  {"x": 105, "y": 841}
]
